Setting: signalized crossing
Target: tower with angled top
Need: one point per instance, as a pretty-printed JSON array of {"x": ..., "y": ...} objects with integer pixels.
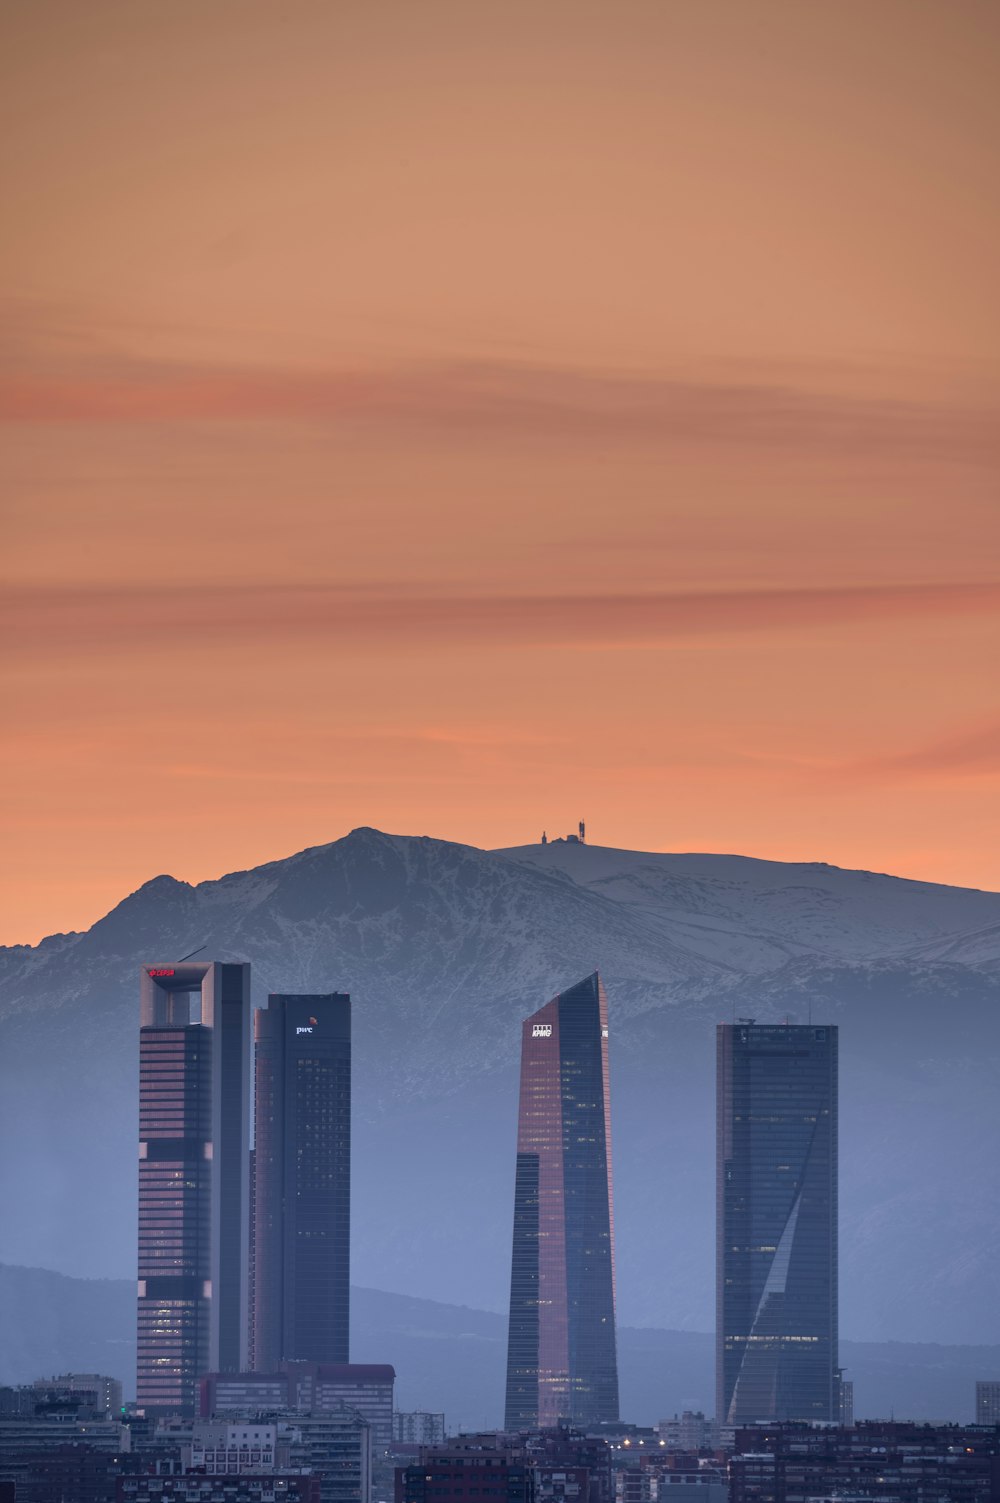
[{"x": 561, "y": 1354}]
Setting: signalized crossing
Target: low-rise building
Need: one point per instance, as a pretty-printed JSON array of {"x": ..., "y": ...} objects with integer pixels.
[
  {"x": 881, "y": 1462},
  {"x": 490, "y": 1467},
  {"x": 308, "y": 1388},
  {"x": 106, "y": 1392},
  {"x": 417, "y": 1427}
]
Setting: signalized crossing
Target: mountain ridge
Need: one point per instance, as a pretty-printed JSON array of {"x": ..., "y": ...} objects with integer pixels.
[{"x": 445, "y": 948}]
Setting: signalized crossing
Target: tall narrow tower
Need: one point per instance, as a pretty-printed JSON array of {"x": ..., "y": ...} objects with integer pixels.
[
  {"x": 194, "y": 1111},
  {"x": 302, "y": 1194},
  {"x": 776, "y": 1225},
  {"x": 561, "y": 1353}
]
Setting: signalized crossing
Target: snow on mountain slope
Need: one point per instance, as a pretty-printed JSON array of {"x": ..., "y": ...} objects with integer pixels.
[{"x": 758, "y": 914}]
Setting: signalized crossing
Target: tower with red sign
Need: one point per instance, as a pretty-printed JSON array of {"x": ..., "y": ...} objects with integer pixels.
[{"x": 194, "y": 1112}]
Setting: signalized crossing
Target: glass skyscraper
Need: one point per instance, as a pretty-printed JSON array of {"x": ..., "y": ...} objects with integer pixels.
[
  {"x": 776, "y": 1226},
  {"x": 302, "y": 1189},
  {"x": 194, "y": 1115},
  {"x": 561, "y": 1354}
]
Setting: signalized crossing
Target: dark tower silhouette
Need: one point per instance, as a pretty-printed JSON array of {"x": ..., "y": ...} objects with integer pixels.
[
  {"x": 776, "y": 1228},
  {"x": 302, "y": 1190},
  {"x": 561, "y": 1354},
  {"x": 194, "y": 1111}
]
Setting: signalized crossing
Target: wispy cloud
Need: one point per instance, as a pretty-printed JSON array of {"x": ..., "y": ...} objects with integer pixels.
[
  {"x": 972, "y": 751},
  {"x": 504, "y": 398},
  {"x": 41, "y": 619}
]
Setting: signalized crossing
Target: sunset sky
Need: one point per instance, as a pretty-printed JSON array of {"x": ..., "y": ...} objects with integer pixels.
[{"x": 469, "y": 416}]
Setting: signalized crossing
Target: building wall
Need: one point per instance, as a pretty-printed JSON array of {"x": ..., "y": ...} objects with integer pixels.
[
  {"x": 776, "y": 1223},
  {"x": 988, "y": 1403},
  {"x": 881, "y": 1462},
  {"x": 302, "y": 1180},
  {"x": 108, "y": 1391},
  {"x": 417, "y": 1427}
]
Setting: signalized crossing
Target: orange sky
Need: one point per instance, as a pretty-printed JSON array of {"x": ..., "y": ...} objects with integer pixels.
[{"x": 464, "y": 418}]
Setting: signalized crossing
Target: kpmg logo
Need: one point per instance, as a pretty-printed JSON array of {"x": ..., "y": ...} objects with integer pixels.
[{"x": 541, "y": 1030}]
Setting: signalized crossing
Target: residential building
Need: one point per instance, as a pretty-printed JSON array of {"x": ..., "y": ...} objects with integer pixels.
[
  {"x": 479, "y": 1468},
  {"x": 878, "y": 1461},
  {"x": 337, "y": 1446},
  {"x": 689, "y": 1431},
  {"x": 308, "y": 1388},
  {"x": 417, "y": 1427}
]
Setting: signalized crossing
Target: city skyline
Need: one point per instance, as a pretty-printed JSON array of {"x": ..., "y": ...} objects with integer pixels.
[{"x": 495, "y": 494}]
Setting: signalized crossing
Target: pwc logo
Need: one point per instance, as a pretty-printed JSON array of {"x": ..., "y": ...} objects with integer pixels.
[{"x": 307, "y": 1028}]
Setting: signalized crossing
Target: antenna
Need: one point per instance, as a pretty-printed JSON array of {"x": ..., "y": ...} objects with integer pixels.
[
  {"x": 192, "y": 952},
  {"x": 583, "y": 833}
]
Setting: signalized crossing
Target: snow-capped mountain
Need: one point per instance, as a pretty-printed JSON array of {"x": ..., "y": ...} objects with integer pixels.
[{"x": 444, "y": 949}]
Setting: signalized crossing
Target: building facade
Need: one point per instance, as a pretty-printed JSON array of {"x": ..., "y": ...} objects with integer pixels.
[
  {"x": 338, "y": 1448},
  {"x": 194, "y": 1105},
  {"x": 302, "y": 1181},
  {"x": 776, "y": 1223},
  {"x": 417, "y": 1427},
  {"x": 689, "y": 1431},
  {"x": 988, "y": 1402},
  {"x": 469, "y": 1469},
  {"x": 290, "y": 1486},
  {"x": 561, "y": 1354},
  {"x": 106, "y": 1392},
  {"x": 876, "y": 1461},
  {"x": 309, "y": 1388}
]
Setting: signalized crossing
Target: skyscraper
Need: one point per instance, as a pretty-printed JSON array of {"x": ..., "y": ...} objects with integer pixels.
[
  {"x": 302, "y": 1157},
  {"x": 561, "y": 1354},
  {"x": 776, "y": 1226},
  {"x": 194, "y": 1110}
]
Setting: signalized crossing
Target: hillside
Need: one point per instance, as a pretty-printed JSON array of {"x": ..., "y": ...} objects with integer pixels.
[{"x": 451, "y": 1358}]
